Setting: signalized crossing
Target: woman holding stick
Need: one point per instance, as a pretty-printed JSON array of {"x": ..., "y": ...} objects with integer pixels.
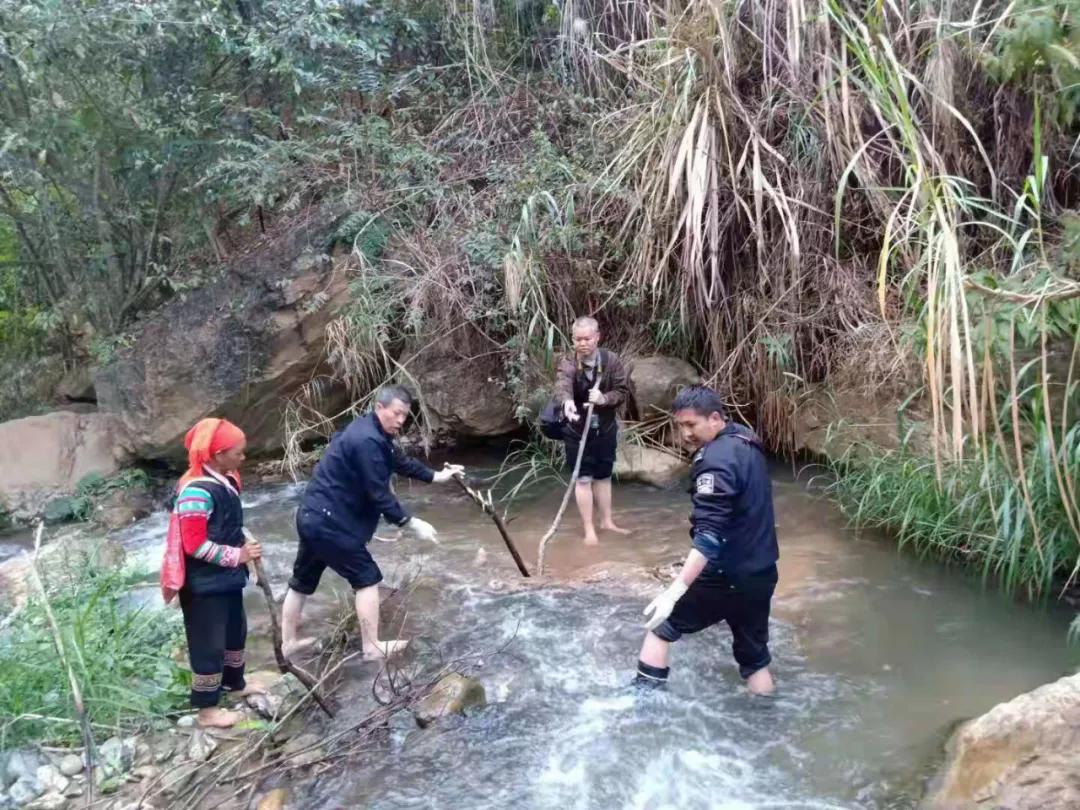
[{"x": 210, "y": 520}]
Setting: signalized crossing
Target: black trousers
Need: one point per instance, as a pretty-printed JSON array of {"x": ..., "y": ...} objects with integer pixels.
[{"x": 216, "y": 628}]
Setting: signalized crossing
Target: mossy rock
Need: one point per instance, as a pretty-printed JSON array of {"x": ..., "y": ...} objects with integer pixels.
[{"x": 453, "y": 694}]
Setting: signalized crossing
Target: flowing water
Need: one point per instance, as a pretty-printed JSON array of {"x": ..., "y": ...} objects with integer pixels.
[{"x": 877, "y": 655}]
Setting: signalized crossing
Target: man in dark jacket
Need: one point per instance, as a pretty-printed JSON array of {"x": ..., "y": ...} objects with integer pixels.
[
  {"x": 576, "y": 386},
  {"x": 341, "y": 506},
  {"x": 730, "y": 573}
]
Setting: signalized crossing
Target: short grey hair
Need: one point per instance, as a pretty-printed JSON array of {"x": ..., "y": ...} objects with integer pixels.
[
  {"x": 585, "y": 320},
  {"x": 388, "y": 393}
]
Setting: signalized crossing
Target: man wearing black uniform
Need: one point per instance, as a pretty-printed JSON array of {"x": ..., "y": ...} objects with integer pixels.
[
  {"x": 576, "y": 385},
  {"x": 730, "y": 573},
  {"x": 341, "y": 506}
]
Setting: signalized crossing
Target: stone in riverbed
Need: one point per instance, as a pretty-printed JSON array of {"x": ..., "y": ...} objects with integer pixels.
[
  {"x": 116, "y": 756},
  {"x": 50, "y": 801},
  {"x": 1020, "y": 755},
  {"x": 51, "y": 780},
  {"x": 21, "y": 765},
  {"x": 176, "y": 779},
  {"x": 453, "y": 694},
  {"x": 274, "y": 800},
  {"x": 71, "y": 764},
  {"x": 24, "y": 791},
  {"x": 201, "y": 746},
  {"x": 304, "y": 750}
]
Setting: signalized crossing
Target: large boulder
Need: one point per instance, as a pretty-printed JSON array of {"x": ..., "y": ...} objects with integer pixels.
[
  {"x": 649, "y": 466},
  {"x": 462, "y": 392},
  {"x": 1020, "y": 755},
  {"x": 240, "y": 348},
  {"x": 43, "y": 456},
  {"x": 657, "y": 380}
]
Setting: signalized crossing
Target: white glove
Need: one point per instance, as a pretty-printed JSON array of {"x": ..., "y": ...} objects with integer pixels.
[
  {"x": 447, "y": 472},
  {"x": 422, "y": 530},
  {"x": 569, "y": 410},
  {"x": 661, "y": 606},
  {"x": 596, "y": 398}
]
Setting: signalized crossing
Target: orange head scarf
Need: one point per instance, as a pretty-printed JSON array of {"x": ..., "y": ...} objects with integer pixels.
[{"x": 208, "y": 438}]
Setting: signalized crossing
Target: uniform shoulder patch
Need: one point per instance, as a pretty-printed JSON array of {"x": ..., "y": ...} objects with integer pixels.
[{"x": 705, "y": 484}]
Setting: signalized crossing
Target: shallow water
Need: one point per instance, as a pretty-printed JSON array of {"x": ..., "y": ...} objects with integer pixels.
[{"x": 876, "y": 654}]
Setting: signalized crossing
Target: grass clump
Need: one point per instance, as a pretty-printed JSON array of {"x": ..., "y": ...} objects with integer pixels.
[
  {"x": 121, "y": 654},
  {"x": 1013, "y": 522}
]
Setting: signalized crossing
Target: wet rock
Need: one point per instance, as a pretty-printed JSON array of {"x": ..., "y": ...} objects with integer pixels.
[
  {"x": 24, "y": 791},
  {"x": 274, "y": 800},
  {"x": 176, "y": 779},
  {"x": 51, "y": 780},
  {"x": 71, "y": 764},
  {"x": 123, "y": 507},
  {"x": 304, "y": 750},
  {"x": 1020, "y": 755},
  {"x": 201, "y": 746},
  {"x": 649, "y": 466},
  {"x": 163, "y": 748},
  {"x": 116, "y": 756},
  {"x": 143, "y": 772},
  {"x": 50, "y": 801},
  {"x": 279, "y": 690},
  {"x": 453, "y": 694},
  {"x": 22, "y": 765},
  {"x": 187, "y": 721},
  {"x": 73, "y": 790}
]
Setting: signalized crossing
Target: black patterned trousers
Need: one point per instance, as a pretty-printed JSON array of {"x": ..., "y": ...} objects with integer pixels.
[{"x": 216, "y": 628}]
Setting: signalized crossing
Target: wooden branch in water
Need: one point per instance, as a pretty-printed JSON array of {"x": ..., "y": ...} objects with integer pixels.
[
  {"x": 284, "y": 664},
  {"x": 489, "y": 508},
  {"x": 58, "y": 642}
]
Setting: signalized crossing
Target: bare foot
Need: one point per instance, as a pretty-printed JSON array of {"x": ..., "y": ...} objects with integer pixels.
[
  {"x": 611, "y": 527},
  {"x": 299, "y": 647},
  {"x": 591, "y": 540},
  {"x": 384, "y": 649},
  {"x": 761, "y": 683},
  {"x": 217, "y": 718}
]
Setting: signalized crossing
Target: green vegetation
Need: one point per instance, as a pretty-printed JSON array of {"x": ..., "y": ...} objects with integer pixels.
[
  {"x": 821, "y": 194},
  {"x": 121, "y": 655}
]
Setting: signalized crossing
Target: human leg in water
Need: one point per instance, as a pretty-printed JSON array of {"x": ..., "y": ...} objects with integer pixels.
[
  {"x": 367, "y": 613},
  {"x": 602, "y": 495},
  {"x": 583, "y": 494},
  {"x": 291, "y": 611},
  {"x": 652, "y": 666}
]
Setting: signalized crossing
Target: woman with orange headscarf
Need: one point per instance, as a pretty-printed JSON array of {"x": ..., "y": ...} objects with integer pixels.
[{"x": 211, "y": 526}]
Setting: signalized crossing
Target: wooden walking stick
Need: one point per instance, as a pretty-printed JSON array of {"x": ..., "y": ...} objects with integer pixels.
[
  {"x": 570, "y": 487},
  {"x": 488, "y": 506},
  {"x": 283, "y": 663}
]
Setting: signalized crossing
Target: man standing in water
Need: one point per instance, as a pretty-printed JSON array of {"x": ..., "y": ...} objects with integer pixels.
[
  {"x": 730, "y": 573},
  {"x": 575, "y": 387},
  {"x": 348, "y": 492}
]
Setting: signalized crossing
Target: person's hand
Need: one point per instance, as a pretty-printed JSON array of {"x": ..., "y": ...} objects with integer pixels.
[
  {"x": 422, "y": 530},
  {"x": 569, "y": 410},
  {"x": 661, "y": 606},
  {"x": 447, "y": 472},
  {"x": 251, "y": 550},
  {"x": 595, "y": 397}
]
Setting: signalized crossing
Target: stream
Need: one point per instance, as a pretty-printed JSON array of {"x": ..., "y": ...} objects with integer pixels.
[{"x": 877, "y": 656}]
